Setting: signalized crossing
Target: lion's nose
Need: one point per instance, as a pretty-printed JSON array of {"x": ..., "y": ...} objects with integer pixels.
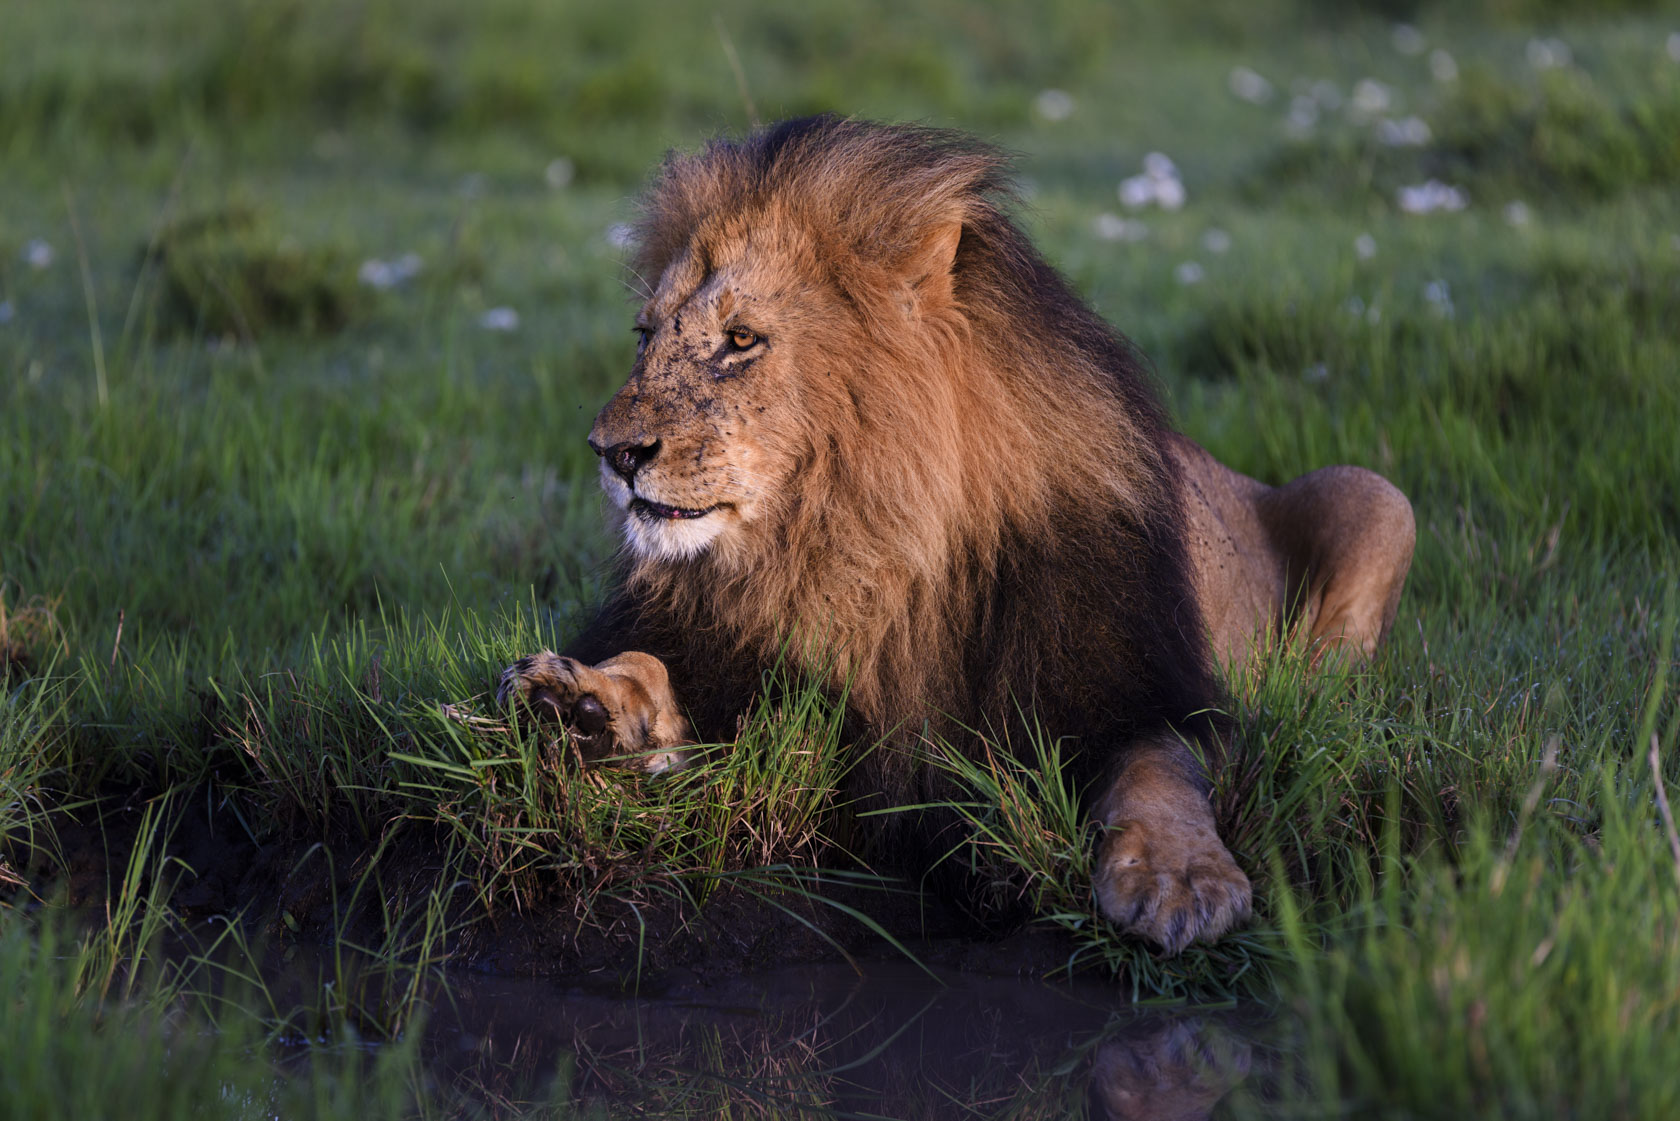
[{"x": 627, "y": 458}]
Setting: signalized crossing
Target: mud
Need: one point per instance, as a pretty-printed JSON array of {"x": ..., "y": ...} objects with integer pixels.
[
  {"x": 751, "y": 1002},
  {"x": 315, "y": 891}
]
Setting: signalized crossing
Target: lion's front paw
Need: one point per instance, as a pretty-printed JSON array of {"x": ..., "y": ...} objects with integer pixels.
[
  {"x": 1172, "y": 885},
  {"x": 620, "y": 710},
  {"x": 556, "y": 689}
]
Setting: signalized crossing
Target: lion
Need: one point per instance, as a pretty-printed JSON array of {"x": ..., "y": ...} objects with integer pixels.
[{"x": 864, "y": 410}]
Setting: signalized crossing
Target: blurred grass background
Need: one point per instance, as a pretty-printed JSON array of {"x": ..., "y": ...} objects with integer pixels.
[
  {"x": 237, "y": 166},
  {"x": 306, "y": 307}
]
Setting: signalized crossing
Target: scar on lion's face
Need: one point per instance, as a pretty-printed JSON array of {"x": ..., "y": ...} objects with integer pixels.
[{"x": 699, "y": 439}]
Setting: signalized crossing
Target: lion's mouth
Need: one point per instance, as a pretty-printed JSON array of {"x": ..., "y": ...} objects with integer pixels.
[{"x": 658, "y": 511}]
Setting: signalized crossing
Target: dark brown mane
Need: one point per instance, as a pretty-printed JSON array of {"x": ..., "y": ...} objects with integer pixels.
[{"x": 1035, "y": 561}]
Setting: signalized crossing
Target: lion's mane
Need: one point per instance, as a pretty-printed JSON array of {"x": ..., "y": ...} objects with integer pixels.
[{"x": 985, "y": 524}]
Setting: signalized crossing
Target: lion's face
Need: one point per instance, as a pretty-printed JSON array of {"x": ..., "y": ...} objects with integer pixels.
[{"x": 702, "y": 440}]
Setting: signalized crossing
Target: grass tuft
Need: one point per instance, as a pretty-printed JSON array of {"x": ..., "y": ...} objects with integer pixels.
[{"x": 229, "y": 273}]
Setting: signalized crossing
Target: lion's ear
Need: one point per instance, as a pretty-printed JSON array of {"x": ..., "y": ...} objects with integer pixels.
[{"x": 928, "y": 269}]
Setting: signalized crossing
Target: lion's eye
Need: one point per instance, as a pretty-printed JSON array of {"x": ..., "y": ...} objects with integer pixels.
[{"x": 742, "y": 339}]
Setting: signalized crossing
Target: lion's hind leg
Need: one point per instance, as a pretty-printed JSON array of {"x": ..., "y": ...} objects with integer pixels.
[{"x": 1346, "y": 535}]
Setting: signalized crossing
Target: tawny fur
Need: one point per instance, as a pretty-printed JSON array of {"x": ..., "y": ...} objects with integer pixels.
[
  {"x": 943, "y": 435},
  {"x": 867, "y": 419}
]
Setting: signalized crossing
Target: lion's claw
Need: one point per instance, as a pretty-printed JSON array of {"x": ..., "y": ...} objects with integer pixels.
[{"x": 548, "y": 685}]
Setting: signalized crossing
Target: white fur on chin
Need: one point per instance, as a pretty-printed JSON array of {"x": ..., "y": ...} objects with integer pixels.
[
  {"x": 671, "y": 539},
  {"x": 660, "y": 539}
]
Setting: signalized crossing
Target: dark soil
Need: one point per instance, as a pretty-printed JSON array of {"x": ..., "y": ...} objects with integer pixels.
[{"x": 741, "y": 1003}]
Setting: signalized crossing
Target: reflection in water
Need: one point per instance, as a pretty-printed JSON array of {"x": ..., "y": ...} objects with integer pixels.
[
  {"x": 1166, "y": 1069},
  {"x": 822, "y": 1040}
]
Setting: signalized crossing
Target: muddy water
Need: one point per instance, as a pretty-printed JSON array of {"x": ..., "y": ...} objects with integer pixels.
[{"x": 889, "y": 1041}]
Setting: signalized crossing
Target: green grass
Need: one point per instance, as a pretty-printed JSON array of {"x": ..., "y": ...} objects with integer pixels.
[
  {"x": 258, "y": 518},
  {"x": 175, "y": 1047}
]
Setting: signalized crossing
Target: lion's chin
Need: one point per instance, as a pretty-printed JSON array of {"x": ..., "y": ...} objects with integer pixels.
[
  {"x": 656, "y": 536},
  {"x": 660, "y": 531}
]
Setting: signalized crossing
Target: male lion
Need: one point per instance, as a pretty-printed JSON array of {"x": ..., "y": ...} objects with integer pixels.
[{"x": 864, "y": 410}]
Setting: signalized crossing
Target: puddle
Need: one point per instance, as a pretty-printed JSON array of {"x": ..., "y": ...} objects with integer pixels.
[{"x": 827, "y": 1041}]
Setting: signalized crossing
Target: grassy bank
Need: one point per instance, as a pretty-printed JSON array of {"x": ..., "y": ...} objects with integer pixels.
[{"x": 304, "y": 315}]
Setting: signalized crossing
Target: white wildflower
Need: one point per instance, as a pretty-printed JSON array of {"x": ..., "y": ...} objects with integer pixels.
[
  {"x": 39, "y": 254},
  {"x": 499, "y": 319},
  {"x": 1425, "y": 198},
  {"x": 1112, "y": 227},
  {"x": 620, "y": 235},
  {"x": 1407, "y": 39},
  {"x": 1249, "y": 86},
  {"x": 1546, "y": 54},
  {"x": 1371, "y": 97},
  {"x": 1442, "y": 66},
  {"x": 1054, "y": 105},
  {"x": 1188, "y": 272},
  {"x": 1364, "y": 247},
  {"x": 1303, "y": 115},
  {"x": 1408, "y": 132},
  {"x": 375, "y": 273},
  {"x": 1439, "y": 297},
  {"x": 560, "y": 172},
  {"x": 1159, "y": 184},
  {"x": 1516, "y": 213},
  {"x": 1318, "y": 371},
  {"x": 1169, "y": 194},
  {"x": 1136, "y": 191},
  {"x": 1356, "y": 309},
  {"x": 1216, "y": 241}
]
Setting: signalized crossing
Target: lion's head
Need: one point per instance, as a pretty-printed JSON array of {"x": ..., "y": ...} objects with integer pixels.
[
  {"x": 859, "y": 396},
  {"x": 703, "y": 446},
  {"x": 794, "y": 316}
]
